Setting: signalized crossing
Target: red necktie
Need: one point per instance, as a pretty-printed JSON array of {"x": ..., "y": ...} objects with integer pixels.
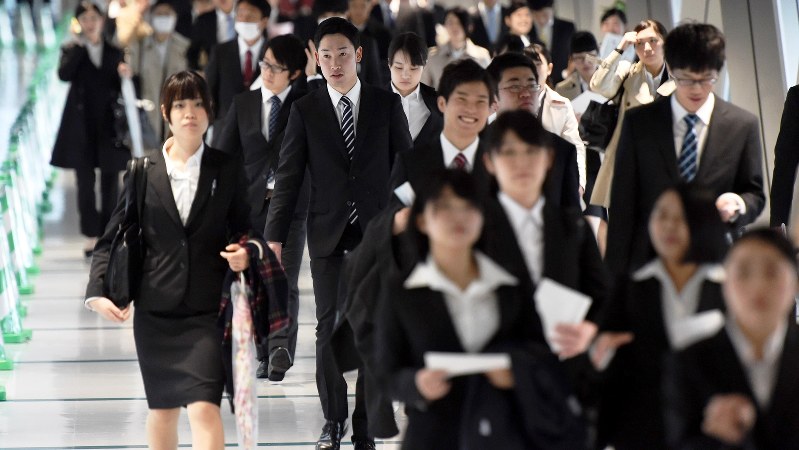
[
  {"x": 248, "y": 69},
  {"x": 459, "y": 162}
]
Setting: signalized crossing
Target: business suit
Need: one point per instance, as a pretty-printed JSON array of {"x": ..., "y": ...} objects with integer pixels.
[
  {"x": 313, "y": 142},
  {"x": 381, "y": 36},
  {"x": 145, "y": 62},
  {"x": 557, "y": 116},
  {"x": 712, "y": 367},
  {"x": 435, "y": 123},
  {"x": 225, "y": 77},
  {"x": 786, "y": 160},
  {"x": 631, "y": 408},
  {"x": 559, "y": 46},
  {"x": 203, "y": 39},
  {"x": 242, "y": 135},
  {"x": 646, "y": 165},
  {"x": 442, "y": 55},
  {"x": 177, "y": 340},
  {"x": 479, "y": 34}
]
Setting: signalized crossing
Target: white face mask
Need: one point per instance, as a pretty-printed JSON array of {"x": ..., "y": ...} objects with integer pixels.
[
  {"x": 164, "y": 24},
  {"x": 248, "y": 31}
]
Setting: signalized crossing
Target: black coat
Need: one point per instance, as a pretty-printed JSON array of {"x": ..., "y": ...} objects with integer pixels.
[
  {"x": 435, "y": 123},
  {"x": 203, "y": 39},
  {"x": 712, "y": 367},
  {"x": 182, "y": 263},
  {"x": 86, "y": 134},
  {"x": 225, "y": 79},
  {"x": 480, "y": 35},
  {"x": 559, "y": 47},
  {"x": 631, "y": 411},
  {"x": 786, "y": 160},
  {"x": 646, "y": 164}
]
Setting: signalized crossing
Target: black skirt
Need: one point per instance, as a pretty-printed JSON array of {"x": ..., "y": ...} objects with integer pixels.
[{"x": 180, "y": 357}]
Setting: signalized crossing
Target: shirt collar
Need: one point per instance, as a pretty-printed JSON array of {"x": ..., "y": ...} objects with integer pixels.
[
  {"x": 412, "y": 96},
  {"x": 267, "y": 95},
  {"x": 254, "y": 48},
  {"x": 490, "y": 276},
  {"x": 656, "y": 269},
  {"x": 771, "y": 352},
  {"x": 353, "y": 94},
  {"x": 704, "y": 112},
  {"x": 450, "y": 151},
  {"x": 193, "y": 161},
  {"x": 221, "y": 15},
  {"x": 519, "y": 214}
]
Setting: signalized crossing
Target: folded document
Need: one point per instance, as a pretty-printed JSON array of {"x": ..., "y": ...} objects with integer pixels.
[{"x": 457, "y": 364}]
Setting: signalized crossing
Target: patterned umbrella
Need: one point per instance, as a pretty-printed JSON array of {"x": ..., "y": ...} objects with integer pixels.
[{"x": 245, "y": 398}]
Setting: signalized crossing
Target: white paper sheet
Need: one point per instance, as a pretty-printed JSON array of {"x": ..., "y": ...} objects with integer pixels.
[
  {"x": 458, "y": 364},
  {"x": 610, "y": 42},
  {"x": 557, "y": 304},
  {"x": 692, "y": 329},
  {"x": 580, "y": 103},
  {"x": 405, "y": 193}
]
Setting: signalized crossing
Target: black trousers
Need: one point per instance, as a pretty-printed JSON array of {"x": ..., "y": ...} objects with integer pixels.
[
  {"x": 92, "y": 221},
  {"x": 329, "y": 291}
]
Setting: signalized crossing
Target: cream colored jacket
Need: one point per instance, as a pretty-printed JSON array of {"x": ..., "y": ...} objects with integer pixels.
[
  {"x": 557, "y": 116},
  {"x": 442, "y": 55}
]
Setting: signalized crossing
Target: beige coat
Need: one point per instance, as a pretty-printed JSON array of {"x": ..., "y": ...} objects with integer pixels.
[
  {"x": 441, "y": 56},
  {"x": 606, "y": 82},
  {"x": 557, "y": 116},
  {"x": 145, "y": 62},
  {"x": 570, "y": 87}
]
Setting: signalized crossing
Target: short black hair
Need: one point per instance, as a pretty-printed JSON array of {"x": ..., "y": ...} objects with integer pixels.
[
  {"x": 337, "y": 25},
  {"x": 462, "y": 184},
  {"x": 537, "y": 51},
  {"x": 583, "y": 41},
  {"x": 537, "y": 5},
  {"x": 411, "y": 44},
  {"x": 521, "y": 122},
  {"x": 163, "y": 3},
  {"x": 614, "y": 12},
  {"x": 465, "y": 71},
  {"x": 261, "y": 5},
  {"x": 289, "y": 51},
  {"x": 510, "y": 43},
  {"x": 506, "y": 61},
  {"x": 771, "y": 237},
  {"x": 659, "y": 28},
  {"x": 516, "y": 5},
  {"x": 463, "y": 17},
  {"x": 186, "y": 85},
  {"x": 87, "y": 5},
  {"x": 707, "y": 232},
  {"x": 696, "y": 47}
]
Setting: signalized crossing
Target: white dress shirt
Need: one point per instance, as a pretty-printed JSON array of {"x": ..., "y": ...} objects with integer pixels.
[
  {"x": 654, "y": 82},
  {"x": 222, "y": 26},
  {"x": 528, "y": 226},
  {"x": 762, "y": 373},
  {"x": 475, "y": 310},
  {"x": 255, "y": 49},
  {"x": 450, "y": 152},
  {"x": 183, "y": 179},
  {"x": 678, "y": 306},
  {"x": 415, "y": 109},
  {"x": 161, "y": 48},
  {"x": 354, "y": 95},
  {"x": 95, "y": 53},
  {"x": 266, "y": 108}
]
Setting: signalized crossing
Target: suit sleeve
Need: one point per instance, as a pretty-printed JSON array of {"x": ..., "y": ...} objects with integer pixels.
[
  {"x": 195, "y": 48},
  {"x": 227, "y": 138},
  {"x": 786, "y": 160},
  {"x": 71, "y": 57},
  {"x": 212, "y": 77},
  {"x": 594, "y": 277},
  {"x": 684, "y": 404},
  {"x": 572, "y": 134},
  {"x": 623, "y": 202},
  {"x": 571, "y": 182},
  {"x": 239, "y": 213},
  {"x": 399, "y": 131},
  {"x": 288, "y": 178},
  {"x": 749, "y": 178}
]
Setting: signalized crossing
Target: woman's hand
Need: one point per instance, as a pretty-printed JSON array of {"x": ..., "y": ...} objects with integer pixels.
[
  {"x": 237, "y": 257},
  {"x": 574, "y": 339},
  {"x": 124, "y": 70},
  {"x": 432, "y": 384},
  {"x": 605, "y": 345},
  {"x": 729, "y": 418},
  {"x": 501, "y": 378},
  {"x": 109, "y": 310},
  {"x": 628, "y": 39},
  {"x": 310, "y": 66}
]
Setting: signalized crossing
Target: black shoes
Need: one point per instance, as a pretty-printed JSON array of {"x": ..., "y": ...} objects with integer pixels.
[
  {"x": 263, "y": 370},
  {"x": 332, "y": 432},
  {"x": 363, "y": 445},
  {"x": 279, "y": 364}
]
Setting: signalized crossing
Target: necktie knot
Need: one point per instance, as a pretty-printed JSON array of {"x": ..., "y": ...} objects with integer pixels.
[
  {"x": 345, "y": 102},
  {"x": 691, "y": 120},
  {"x": 275, "y": 101},
  {"x": 459, "y": 162}
]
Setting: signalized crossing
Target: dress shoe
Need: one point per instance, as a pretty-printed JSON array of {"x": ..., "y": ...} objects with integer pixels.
[
  {"x": 332, "y": 432},
  {"x": 366, "y": 444},
  {"x": 279, "y": 364},
  {"x": 263, "y": 370}
]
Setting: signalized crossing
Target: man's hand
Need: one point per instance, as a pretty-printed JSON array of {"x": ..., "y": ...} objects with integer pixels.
[
  {"x": 310, "y": 53},
  {"x": 729, "y": 418}
]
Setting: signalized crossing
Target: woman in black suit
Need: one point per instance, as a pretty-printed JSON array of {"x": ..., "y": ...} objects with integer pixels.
[
  {"x": 195, "y": 203},
  {"x": 407, "y": 58},
  {"x": 455, "y": 300},
  {"x": 85, "y": 139},
  {"x": 651, "y": 312}
]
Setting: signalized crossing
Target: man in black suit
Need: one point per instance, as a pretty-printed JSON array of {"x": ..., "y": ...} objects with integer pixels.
[
  {"x": 358, "y": 15},
  {"x": 553, "y": 33},
  {"x": 518, "y": 88},
  {"x": 254, "y": 128},
  {"x": 786, "y": 159},
  {"x": 233, "y": 65},
  {"x": 489, "y": 24},
  {"x": 674, "y": 139},
  {"x": 349, "y": 166},
  {"x": 209, "y": 29}
]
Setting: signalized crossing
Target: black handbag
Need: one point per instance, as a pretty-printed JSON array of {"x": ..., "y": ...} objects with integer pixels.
[
  {"x": 599, "y": 121},
  {"x": 125, "y": 259}
]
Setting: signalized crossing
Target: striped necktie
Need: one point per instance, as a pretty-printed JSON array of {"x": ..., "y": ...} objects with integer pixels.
[
  {"x": 688, "y": 154},
  {"x": 274, "y": 111},
  {"x": 459, "y": 162},
  {"x": 348, "y": 132}
]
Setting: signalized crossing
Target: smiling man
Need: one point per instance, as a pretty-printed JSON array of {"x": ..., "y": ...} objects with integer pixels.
[
  {"x": 346, "y": 136},
  {"x": 691, "y": 136}
]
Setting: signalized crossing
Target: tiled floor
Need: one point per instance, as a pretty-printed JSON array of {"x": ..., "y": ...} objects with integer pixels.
[{"x": 76, "y": 384}]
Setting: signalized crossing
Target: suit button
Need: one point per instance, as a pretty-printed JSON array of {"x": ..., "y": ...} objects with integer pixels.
[
  {"x": 182, "y": 242},
  {"x": 352, "y": 177},
  {"x": 349, "y": 203},
  {"x": 182, "y": 265}
]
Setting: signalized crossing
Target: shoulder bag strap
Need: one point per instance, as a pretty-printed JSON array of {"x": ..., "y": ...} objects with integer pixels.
[{"x": 141, "y": 183}]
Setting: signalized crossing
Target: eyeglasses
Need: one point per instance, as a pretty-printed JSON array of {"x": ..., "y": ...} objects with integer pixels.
[
  {"x": 518, "y": 88},
  {"x": 275, "y": 69},
  {"x": 689, "y": 82},
  {"x": 653, "y": 42}
]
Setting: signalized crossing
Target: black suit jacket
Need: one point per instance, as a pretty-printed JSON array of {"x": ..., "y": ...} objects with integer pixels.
[
  {"x": 225, "y": 78},
  {"x": 242, "y": 135},
  {"x": 631, "y": 409},
  {"x": 435, "y": 123},
  {"x": 786, "y": 160},
  {"x": 203, "y": 39},
  {"x": 182, "y": 263},
  {"x": 313, "y": 140},
  {"x": 559, "y": 48},
  {"x": 712, "y": 367},
  {"x": 646, "y": 164},
  {"x": 382, "y": 38},
  {"x": 480, "y": 35}
]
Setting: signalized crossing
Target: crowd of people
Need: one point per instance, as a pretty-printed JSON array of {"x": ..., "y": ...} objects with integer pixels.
[{"x": 454, "y": 204}]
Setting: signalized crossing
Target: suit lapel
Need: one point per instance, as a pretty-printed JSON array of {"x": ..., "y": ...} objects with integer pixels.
[
  {"x": 209, "y": 168},
  {"x": 327, "y": 114},
  {"x": 664, "y": 136},
  {"x": 716, "y": 142},
  {"x": 554, "y": 232},
  {"x": 710, "y": 298},
  {"x": 235, "y": 63},
  {"x": 364, "y": 119},
  {"x": 433, "y": 303},
  {"x": 784, "y": 396},
  {"x": 158, "y": 179}
]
